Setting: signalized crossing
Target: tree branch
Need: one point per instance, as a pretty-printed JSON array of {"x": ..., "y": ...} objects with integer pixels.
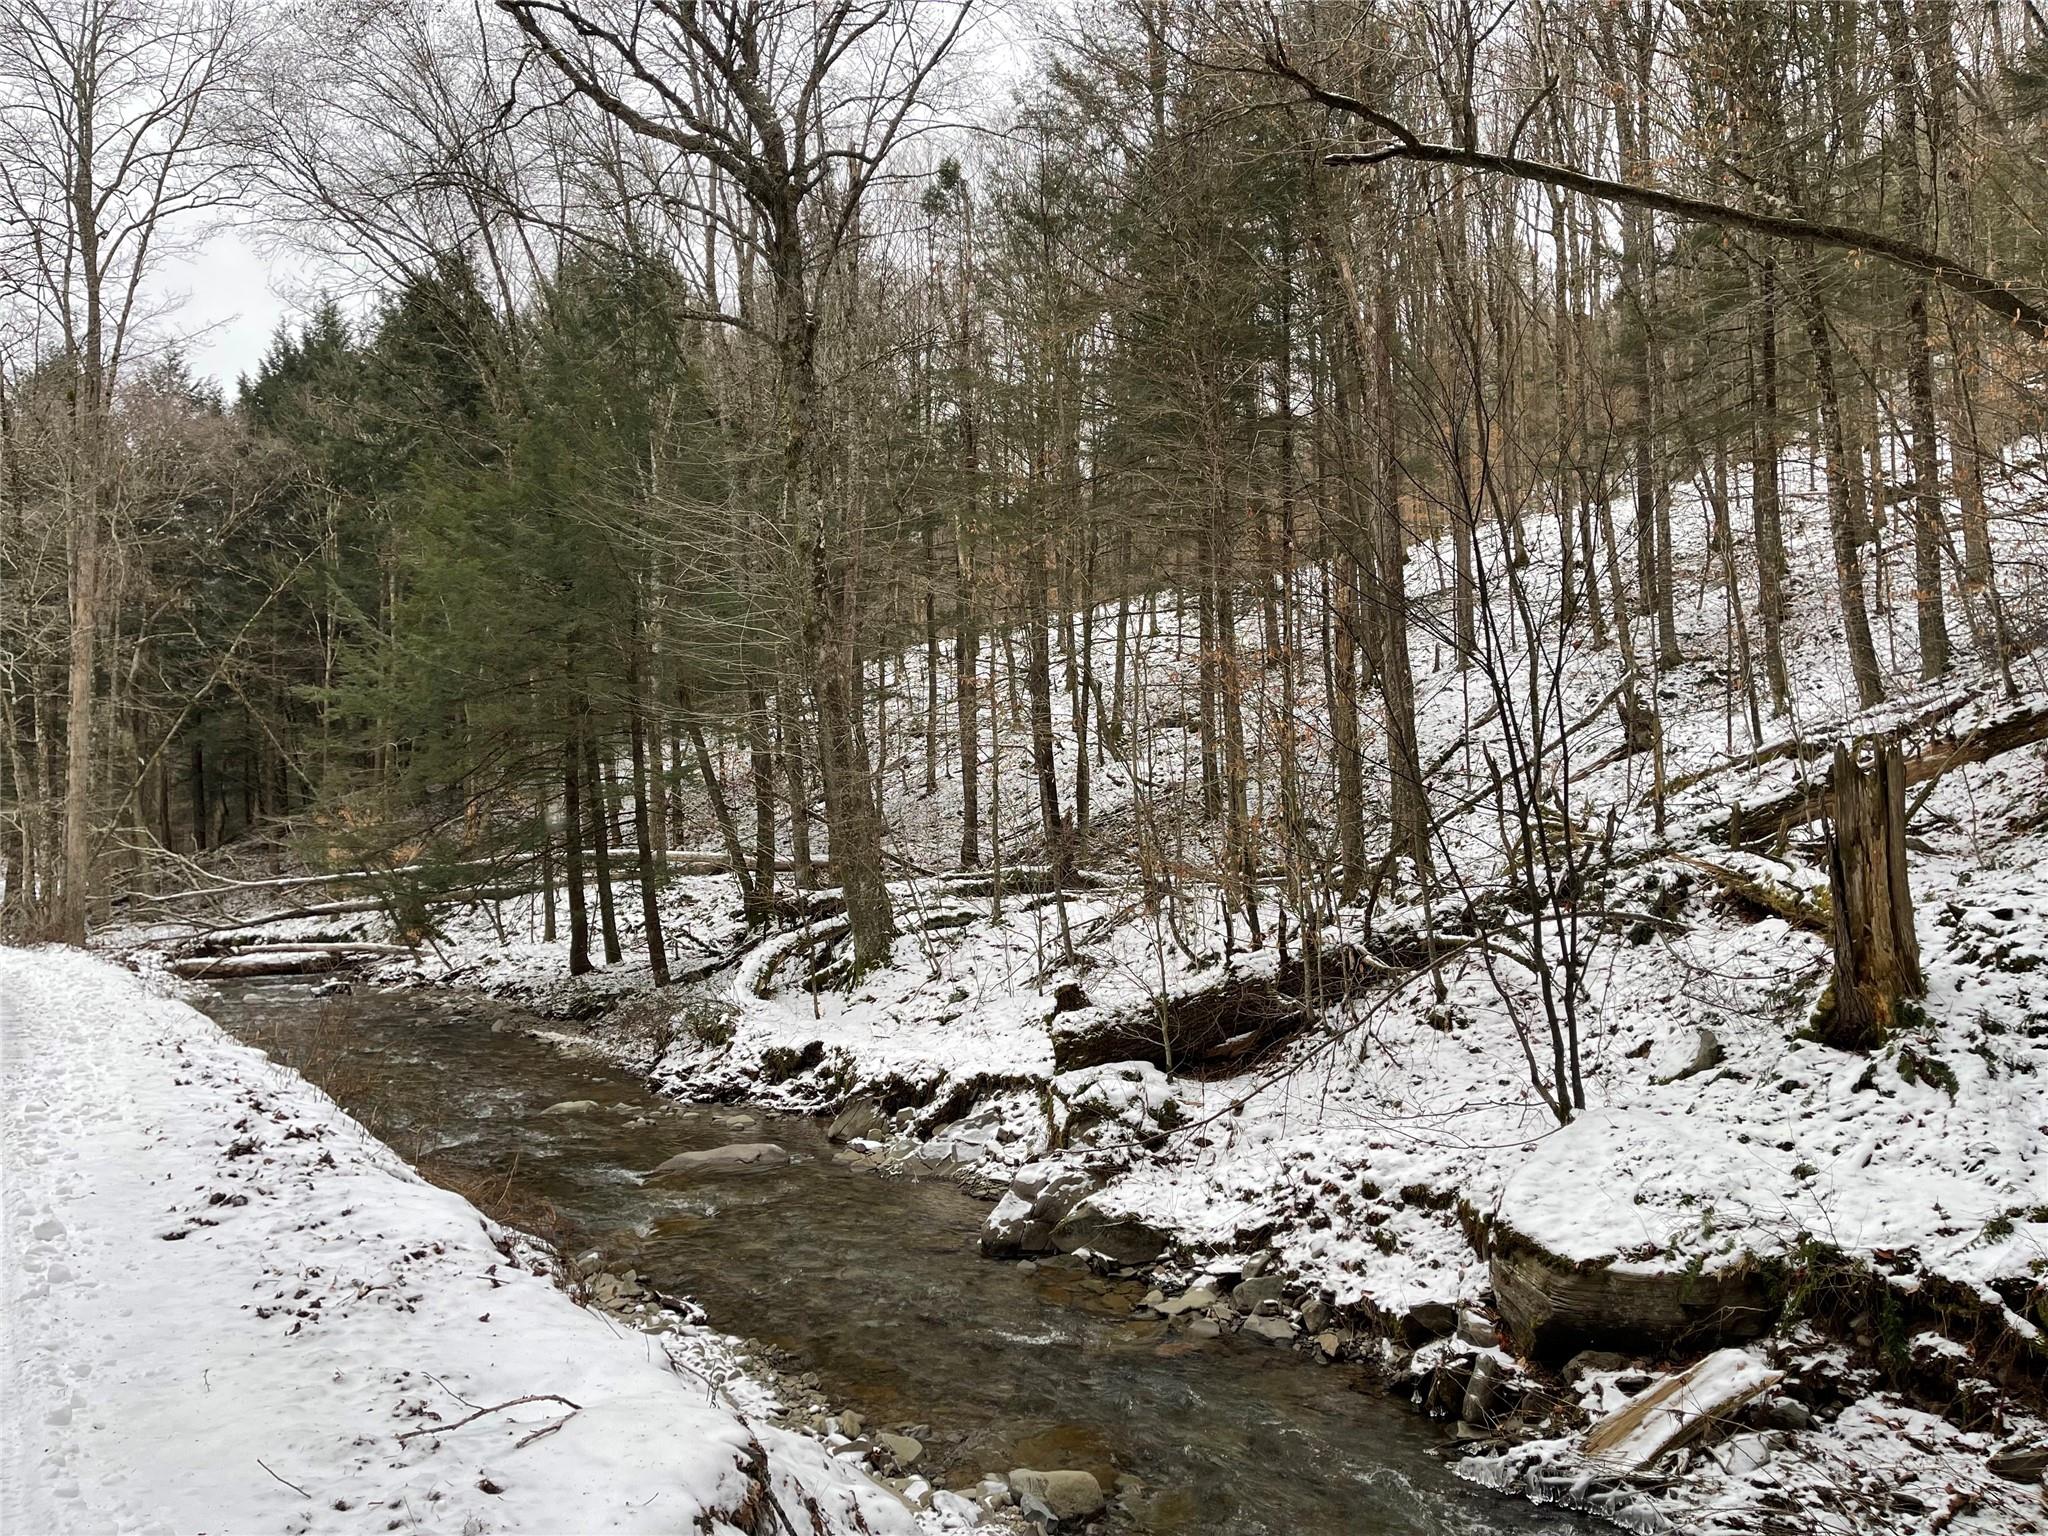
[{"x": 1408, "y": 145}]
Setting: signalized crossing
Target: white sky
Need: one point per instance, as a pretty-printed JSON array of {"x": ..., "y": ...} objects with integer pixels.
[{"x": 223, "y": 305}]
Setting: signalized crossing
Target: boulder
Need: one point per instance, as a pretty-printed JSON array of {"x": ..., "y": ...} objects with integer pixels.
[
  {"x": 1057, "y": 1495},
  {"x": 1480, "y": 1391},
  {"x": 1555, "y": 1309},
  {"x": 1117, "y": 1237},
  {"x": 1428, "y": 1320},
  {"x": 1597, "y": 1242},
  {"x": 2021, "y": 1460},
  {"x": 1706, "y": 1055},
  {"x": 902, "y": 1449},
  {"x": 1193, "y": 1300},
  {"x": 1040, "y": 1194},
  {"x": 572, "y": 1107},
  {"x": 740, "y": 1156},
  {"x": 1274, "y": 1330},
  {"x": 1477, "y": 1329},
  {"x": 861, "y": 1120},
  {"x": 1259, "y": 1288},
  {"x": 1587, "y": 1361}
]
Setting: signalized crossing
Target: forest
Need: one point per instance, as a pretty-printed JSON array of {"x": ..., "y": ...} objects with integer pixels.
[{"x": 1251, "y": 625}]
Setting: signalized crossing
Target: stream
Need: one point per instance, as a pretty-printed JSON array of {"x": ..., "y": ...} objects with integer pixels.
[{"x": 876, "y": 1285}]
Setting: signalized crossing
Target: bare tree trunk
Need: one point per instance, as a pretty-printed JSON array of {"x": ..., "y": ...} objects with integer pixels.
[
  {"x": 1768, "y": 524},
  {"x": 598, "y": 777},
  {"x": 1877, "y": 953},
  {"x": 643, "y": 829},
  {"x": 572, "y": 849},
  {"x": 1409, "y": 831},
  {"x": 721, "y": 809},
  {"x": 790, "y": 728},
  {"x": 761, "y": 762},
  {"x": 1842, "y": 521},
  {"x": 1038, "y": 684}
]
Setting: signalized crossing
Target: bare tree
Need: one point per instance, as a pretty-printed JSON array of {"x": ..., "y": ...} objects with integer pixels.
[
  {"x": 799, "y": 108},
  {"x": 110, "y": 143}
]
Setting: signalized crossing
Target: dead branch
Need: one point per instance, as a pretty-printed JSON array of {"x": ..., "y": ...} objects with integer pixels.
[{"x": 531, "y": 1397}]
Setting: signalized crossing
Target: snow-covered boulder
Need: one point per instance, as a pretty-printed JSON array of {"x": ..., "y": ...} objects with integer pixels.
[{"x": 1586, "y": 1249}]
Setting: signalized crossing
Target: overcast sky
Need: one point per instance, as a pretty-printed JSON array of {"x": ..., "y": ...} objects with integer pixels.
[{"x": 226, "y": 305}]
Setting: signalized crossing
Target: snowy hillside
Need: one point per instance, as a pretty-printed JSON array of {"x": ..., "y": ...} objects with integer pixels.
[{"x": 1377, "y": 1126}]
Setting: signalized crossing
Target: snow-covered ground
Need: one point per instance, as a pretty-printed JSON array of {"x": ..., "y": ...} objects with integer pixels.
[
  {"x": 1380, "y": 1154},
  {"x": 228, "y": 1309}
]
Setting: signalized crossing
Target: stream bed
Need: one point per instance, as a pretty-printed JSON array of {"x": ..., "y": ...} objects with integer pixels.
[{"x": 876, "y": 1285}]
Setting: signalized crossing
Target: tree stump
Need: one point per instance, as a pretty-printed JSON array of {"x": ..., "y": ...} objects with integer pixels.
[{"x": 1877, "y": 954}]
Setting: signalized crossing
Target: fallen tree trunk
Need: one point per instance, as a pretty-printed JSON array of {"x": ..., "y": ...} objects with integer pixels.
[
  {"x": 280, "y": 960},
  {"x": 2018, "y": 728}
]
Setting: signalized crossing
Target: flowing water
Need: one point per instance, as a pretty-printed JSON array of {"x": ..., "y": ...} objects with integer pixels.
[{"x": 876, "y": 1285}]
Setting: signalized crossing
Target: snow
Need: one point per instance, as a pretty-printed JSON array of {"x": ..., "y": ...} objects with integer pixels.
[
  {"x": 228, "y": 1308},
  {"x": 1363, "y": 1155}
]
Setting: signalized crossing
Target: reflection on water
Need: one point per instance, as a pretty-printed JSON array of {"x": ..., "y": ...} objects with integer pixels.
[{"x": 876, "y": 1284}]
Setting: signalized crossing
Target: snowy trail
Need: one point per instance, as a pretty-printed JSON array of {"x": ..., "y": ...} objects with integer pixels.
[{"x": 219, "y": 1285}]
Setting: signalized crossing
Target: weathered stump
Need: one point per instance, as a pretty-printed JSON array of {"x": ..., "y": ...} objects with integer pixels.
[{"x": 1877, "y": 953}]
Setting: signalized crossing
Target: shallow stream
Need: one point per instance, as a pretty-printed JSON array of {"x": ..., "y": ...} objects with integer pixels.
[{"x": 876, "y": 1285}]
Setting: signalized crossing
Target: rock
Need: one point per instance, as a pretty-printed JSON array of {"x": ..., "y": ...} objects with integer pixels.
[
  {"x": 1790, "y": 1414},
  {"x": 1555, "y": 1308},
  {"x": 1331, "y": 1345},
  {"x": 740, "y": 1155},
  {"x": 1445, "y": 1395},
  {"x": 1119, "y": 1238},
  {"x": 1705, "y": 1057},
  {"x": 2020, "y": 1461},
  {"x": 1205, "y": 1328},
  {"x": 1249, "y": 1294},
  {"x": 1188, "y": 1301},
  {"x": 902, "y": 1449},
  {"x": 1274, "y": 1330},
  {"x": 1477, "y": 1407},
  {"x": 861, "y": 1120},
  {"x": 1477, "y": 1329},
  {"x": 849, "y": 1424},
  {"x": 572, "y": 1107},
  {"x": 1040, "y": 1194},
  {"x": 1428, "y": 1320},
  {"x": 1257, "y": 1265},
  {"x": 1590, "y": 1360},
  {"x": 1058, "y": 1495},
  {"x": 1315, "y": 1315}
]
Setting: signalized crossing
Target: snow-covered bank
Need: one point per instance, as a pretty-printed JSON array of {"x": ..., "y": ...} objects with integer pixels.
[
  {"x": 1382, "y": 1166},
  {"x": 229, "y": 1309}
]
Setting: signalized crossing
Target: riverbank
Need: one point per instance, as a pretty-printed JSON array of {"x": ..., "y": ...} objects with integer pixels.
[
  {"x": 1129, "y": 1074},
  {"x": 228, "y": 1308}
]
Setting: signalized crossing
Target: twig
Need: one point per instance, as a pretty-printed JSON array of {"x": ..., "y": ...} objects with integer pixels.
[
  {"x": 534, "y": 1397},
  {"x": 295, "y": 1488}
]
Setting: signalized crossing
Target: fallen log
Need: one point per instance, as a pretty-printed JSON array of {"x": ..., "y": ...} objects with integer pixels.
[
  {"x": 2017, "y": 728},
  {"x": 280, "y": 960},
  {"x": 1802, "y": 909}
]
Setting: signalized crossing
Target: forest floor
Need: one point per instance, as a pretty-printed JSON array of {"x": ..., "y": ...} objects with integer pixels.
[
  {"x": 1386, "y": 1145},
  {"x": 228, "y": 1308}
]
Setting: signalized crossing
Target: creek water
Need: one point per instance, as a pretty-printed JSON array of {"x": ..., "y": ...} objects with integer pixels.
[{"x": 875, "y": 1283}]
